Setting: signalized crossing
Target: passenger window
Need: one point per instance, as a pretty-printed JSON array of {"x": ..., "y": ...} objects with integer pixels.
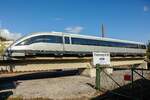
[{"x": 82, "y": 41}]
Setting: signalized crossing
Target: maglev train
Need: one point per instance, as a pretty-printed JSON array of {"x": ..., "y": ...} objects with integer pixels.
[{"x": 59, "y": 43}]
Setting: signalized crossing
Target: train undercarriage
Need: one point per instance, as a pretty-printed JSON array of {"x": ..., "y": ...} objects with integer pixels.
[{"x": 17, "y": 54}]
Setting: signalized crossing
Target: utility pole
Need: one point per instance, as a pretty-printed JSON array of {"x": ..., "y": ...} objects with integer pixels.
[{"x": 103, "y": 31}]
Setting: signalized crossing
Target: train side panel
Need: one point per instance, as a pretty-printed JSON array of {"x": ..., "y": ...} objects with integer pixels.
[{"x": 86, "y": 48}]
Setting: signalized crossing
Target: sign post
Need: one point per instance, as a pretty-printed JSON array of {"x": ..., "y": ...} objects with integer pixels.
[
  {"x": 97, "y": 81},
  {"x": 99, "y": 60}
]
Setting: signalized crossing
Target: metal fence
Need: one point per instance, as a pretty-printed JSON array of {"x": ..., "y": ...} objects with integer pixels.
[{"x": 123, "y": 84}]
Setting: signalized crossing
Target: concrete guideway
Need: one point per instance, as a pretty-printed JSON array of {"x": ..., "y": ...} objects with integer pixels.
[{"x": 84, "y": 64}]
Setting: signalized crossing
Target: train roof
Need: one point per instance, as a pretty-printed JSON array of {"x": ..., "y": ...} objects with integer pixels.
[{"x": 87, "y": 36}]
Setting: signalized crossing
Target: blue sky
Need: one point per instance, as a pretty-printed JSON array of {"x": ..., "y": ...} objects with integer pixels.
[{"x": 123, "y": 19}]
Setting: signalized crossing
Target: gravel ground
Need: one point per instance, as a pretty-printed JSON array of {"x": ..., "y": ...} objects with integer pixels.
[
  {"x": 56, "y": 88},
  {"x": 61, "y": 85}
]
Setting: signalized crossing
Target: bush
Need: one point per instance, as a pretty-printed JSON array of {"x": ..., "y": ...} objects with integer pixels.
[{"x": 2, "y": 47}]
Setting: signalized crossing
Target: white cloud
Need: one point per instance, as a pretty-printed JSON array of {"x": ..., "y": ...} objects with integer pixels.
[
  {"x": 8, "y": 35},
  {"x": 146, "y": 8},
  {"x": 75, "y": 29}
]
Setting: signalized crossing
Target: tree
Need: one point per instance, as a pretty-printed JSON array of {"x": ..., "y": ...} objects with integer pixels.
[
  {"x": 148, "y": 53},
  {"x": 148, "y": 50},
  {"x": 2, "y": 47}
]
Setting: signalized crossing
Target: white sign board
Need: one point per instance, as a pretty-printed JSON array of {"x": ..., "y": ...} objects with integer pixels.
[{"x": 101, "y": 58}]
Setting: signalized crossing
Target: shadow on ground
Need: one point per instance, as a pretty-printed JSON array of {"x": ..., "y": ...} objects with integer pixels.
[
  {"x": 140, "y": 91},
  {"x": 5, "y": 89},
  {"x": 4, "y": 95},
  {"x": 40, "y": 75},
  {"x": 8, "y": 83}
]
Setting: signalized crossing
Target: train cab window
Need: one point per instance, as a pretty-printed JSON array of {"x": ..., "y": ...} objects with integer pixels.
[
  {"x": 37, "y": 39},
  {"x": 24, "y": 42},
  {"x": 42, "y": 39},
  {"x": 67, "y": 40},
  {"x": 46, "y": 39}
]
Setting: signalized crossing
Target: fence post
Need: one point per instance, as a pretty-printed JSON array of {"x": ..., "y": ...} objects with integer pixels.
[
  {"x": 97, "y": 81},
  {"x": 132, "y": 80},
  {"x": 132, "y": 76}
]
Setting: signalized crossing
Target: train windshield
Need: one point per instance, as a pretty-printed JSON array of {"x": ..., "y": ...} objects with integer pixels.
[{"x": 42, "y": 39}]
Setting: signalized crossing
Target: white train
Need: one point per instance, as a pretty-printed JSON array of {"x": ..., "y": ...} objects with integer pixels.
[{"x": 58, "y": 43}]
